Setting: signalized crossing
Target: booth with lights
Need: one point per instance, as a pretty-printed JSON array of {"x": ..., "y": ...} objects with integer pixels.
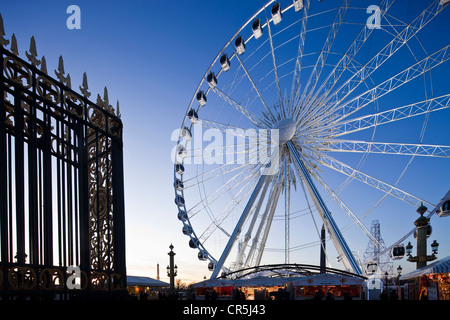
[
  {"x": 332, "y": 286},
  {"x": 431, "y": 282}
]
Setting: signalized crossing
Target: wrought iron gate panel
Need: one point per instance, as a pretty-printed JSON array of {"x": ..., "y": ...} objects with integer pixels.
[{"x": 61, "y": 184}]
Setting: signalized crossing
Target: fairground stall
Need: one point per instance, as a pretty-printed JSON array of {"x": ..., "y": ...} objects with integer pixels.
[
  {"x": 212, "y": 289},
  {"x": 265, "y": 288},
  {"x": 145, "y": 288},
  {"x": 328, "y": 286},
  {"x": 253, "y": 288},
  {"x": 431, "y": 282}
]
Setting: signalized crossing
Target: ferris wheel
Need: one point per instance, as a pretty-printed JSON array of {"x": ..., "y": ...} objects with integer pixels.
[{"x": 314, "y": 114}]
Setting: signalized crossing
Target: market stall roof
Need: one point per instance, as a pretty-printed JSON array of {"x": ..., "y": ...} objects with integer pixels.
[
  {"x": 262, "y": 281},
  {"x": 328, "y": 279},
  {"x": 145, "y": 282},
  {"x": 209, "y": 283},
  {"x": 440, "y": 266}
]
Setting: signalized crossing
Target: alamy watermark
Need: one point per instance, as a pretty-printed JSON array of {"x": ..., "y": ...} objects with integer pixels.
[
  {"x": 230, "y": 146},
  {"x": 74, "y": 20},
  {"x": 73, "y": 281},
  {"x": 374, "y": 20}
]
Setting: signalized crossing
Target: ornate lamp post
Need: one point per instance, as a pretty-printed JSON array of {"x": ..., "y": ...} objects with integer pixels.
[
  {"x": 171, "y": 268},
  {"x": 399, "y": 273},
  {"x": 422, "y": 228}
]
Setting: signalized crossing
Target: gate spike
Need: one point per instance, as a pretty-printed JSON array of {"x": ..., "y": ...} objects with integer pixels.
[
  {"x": 13, "y": 47},
  {"x": 3, "y": 41},
  {"x": 33, "y": 53},
  {"x": 60, "y": 72},
  {"x": 84, "y": 87},
  {"x": 68, "y": 81},
  {"x": 105, "y": 97},
  {"x": 43, "y": 65}
]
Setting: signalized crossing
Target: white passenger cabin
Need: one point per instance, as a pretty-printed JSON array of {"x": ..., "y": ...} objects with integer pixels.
[
  {"x": 298, "y": 5},
  {"x": 276, "y": 13},
  {"x": 257, "y": 29}
]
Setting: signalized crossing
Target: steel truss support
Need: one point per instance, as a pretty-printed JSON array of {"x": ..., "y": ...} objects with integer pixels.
[
  {"x": 237, "y": 230},
  {"x": 387, "y": 148},
  {"x": 335, "y": 234}
]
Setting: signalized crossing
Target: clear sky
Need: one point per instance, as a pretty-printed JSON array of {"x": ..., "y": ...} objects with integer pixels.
[{"x": 151, "y": 55}]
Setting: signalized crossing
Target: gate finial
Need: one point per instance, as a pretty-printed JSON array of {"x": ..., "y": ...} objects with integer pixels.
[
  {"x": 43, "y": 65},
  {"x": 3, "y": 41},
  {"x": 32, "y": 56},
  {"x": 84, "y": 87},
  {"x": 13, "y": 47},
  {"x": 68, "y": 81},
  {"x": 60, "y": 72},
  {"x": 118, "y": 110}
]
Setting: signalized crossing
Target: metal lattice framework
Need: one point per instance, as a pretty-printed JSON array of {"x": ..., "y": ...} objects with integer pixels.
[
  {"x": 323, "y": 84},
  {"x": 282, "y": 270},
  {"x": 61, "y": 182}
]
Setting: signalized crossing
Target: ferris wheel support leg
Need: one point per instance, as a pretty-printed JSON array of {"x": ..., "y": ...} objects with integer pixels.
[
  {"x": 237, "y": 229},
  {"x": 252, "y": 223},
  {"x": 336, "y": 235}
]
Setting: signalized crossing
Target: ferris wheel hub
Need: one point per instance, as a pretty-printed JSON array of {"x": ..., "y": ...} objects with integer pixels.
[{"x": 286, "y": 130}]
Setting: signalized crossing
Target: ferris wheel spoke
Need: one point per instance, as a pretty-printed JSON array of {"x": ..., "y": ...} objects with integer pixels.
[
  {"x": 268, "y": 110},
  {"x": 342, "y": 65},
  {"x": 389, "y": 116},
  {"x": 345, "y": 169},
  {"x": 275, "y": 68},
  {"x": 394, "y": 82},
  {"x": 249, "y": 133},
  {"x": 349, "y": 212},
  {"x": 396, "y": 43},
  {"x": 387, "y": 148},
  {"x": 226, "y": 169},
  {"x": 217, "y": 221},
  {"x": 244, "y": 111},
  {"x": 315, "y": 74},
  {"x": 218, "y": 192},
  {"x": 295, "y": 89},
  {"x": 229, "y": 166},
  {"x": 319, "y": 113}
]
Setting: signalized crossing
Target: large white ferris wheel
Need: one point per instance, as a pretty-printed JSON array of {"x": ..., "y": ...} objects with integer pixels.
[{"x": 314, "y": 113}]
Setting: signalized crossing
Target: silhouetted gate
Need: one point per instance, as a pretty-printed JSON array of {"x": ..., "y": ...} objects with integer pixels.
[{"x": 61, "y": 184}]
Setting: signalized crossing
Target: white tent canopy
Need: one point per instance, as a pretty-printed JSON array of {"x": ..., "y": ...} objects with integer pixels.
[
  {"x": 145, "y": 282},
  {"x": 440, "y": 266},
  {"x": 209, "y": 283},
  {"x": 328, "y": 279},
  {"x": 262, "y": 281}
]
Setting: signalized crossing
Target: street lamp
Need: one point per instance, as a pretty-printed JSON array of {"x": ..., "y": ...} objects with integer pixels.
[
  {"x": 434, "y": 247},
  {"x": 422, "y": 224},
  {"x": 399, "y": 270},
  {"x": 172, "y": 268},
  {"x": 409, "y": 249},
  {"x": 399, "y": 273}
]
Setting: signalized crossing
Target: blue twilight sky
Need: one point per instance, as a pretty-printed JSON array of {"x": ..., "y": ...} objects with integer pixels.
[{"x": 151, "y": 55}]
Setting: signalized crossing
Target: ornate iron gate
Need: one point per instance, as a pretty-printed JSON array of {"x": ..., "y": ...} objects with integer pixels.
[{"x": 61, "y": 183}]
